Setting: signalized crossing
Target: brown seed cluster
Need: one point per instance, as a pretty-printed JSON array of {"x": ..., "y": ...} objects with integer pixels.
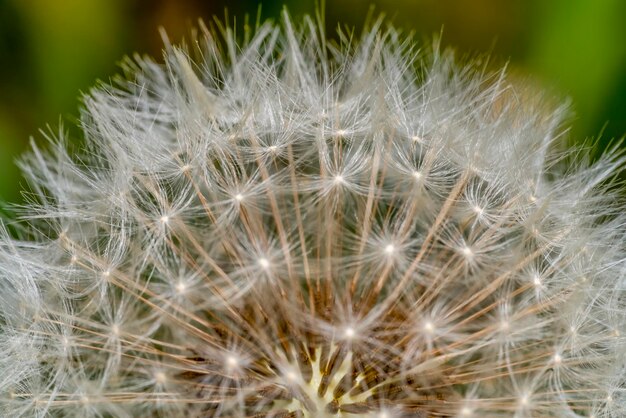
[{"x": 350, "y": 372}]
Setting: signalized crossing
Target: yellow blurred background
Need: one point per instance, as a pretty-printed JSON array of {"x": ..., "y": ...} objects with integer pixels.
[{"x": 52, "y": 50}]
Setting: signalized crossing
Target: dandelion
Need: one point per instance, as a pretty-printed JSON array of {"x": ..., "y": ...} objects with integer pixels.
[{"x": 288, "y": 227}]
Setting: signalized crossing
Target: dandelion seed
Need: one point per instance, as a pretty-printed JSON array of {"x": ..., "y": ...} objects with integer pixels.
[
  {"x": 291, "y": 376},
  {"x": 181, "y": 287},
  {"x": 264, "y": 262},
  {"x": 160, "y": 378},
  {"x": 466, "y": 412},
  {"x": 467, "y": 252},
  {"x": 232, "y": 362},
  {"x": 349, "y": 333}
]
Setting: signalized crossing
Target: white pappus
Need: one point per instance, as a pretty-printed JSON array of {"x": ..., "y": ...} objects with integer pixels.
[{"x": 284, "y": 226}]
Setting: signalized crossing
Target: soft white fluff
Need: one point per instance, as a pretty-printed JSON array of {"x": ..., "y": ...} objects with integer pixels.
[{"x": 289, "y": 226}]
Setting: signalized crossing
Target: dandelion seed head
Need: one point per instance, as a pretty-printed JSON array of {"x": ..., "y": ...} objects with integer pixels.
[{"x": 325, "y": 259}]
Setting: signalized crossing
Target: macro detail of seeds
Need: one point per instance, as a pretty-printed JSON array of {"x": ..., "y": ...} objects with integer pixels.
[{"x": 276, "y": 225}]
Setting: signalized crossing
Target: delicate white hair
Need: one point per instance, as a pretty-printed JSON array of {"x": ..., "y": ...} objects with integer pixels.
[{"x": 289, "y": 227}]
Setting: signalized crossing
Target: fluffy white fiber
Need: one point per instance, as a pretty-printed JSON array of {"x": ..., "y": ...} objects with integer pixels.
[{"x": 285, "y": 227}]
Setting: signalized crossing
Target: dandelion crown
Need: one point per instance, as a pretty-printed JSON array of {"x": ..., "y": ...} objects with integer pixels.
[{"x": 288, "y": 227}]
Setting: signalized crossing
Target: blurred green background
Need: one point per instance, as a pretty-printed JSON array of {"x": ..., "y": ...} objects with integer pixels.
[{"x": 52, "y": 50}]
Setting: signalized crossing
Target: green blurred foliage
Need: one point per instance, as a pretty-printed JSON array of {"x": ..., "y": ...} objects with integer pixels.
[
  {"x": 48, "y": 54},
  {"x": 580, "y": 47},
  {"x": 52, "y": 50}
]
